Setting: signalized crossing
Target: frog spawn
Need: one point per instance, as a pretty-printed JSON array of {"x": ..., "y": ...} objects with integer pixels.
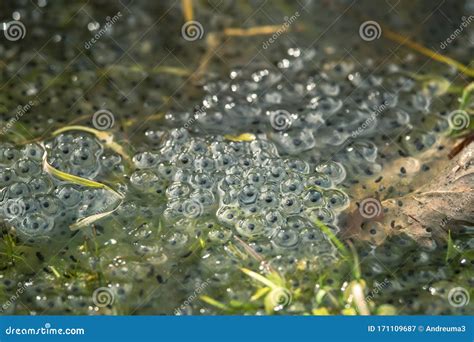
[
  {"x": 219, "y": 189},
  {"x": 333, "y": 111},
  {"x": 39, "y": 206}
]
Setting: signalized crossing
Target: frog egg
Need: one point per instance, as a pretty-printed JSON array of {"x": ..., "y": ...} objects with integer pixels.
[
  {"x": 336, "y": 199},
  {"x": 248, "y": 195},
  {"x": 296, "y": 142},
  {"x": 27, "y": 168},
  {"x": 178, "y": 190},
  {"x": 291, "y": 205},
  {"x": 297, "y": 165},
  {"x": 229, "y": 182},
  {"x": 325, "y": 106},
  {"x": 274, "y": 219},
  {"x": 144, "y": 180},
  {"x": 224, "y": 160},
  {"x": 9, "y": 155},
  {"x": 84, "y": 142},
  {"x": 268, "y": 199},
  {"x": 417, "y": 141},
  {"x": 276, "y": 174},
  {"x": 145, "y": 160},
  {"x": 13, "y": 208},
  {"x": 18, "y": 190},
  {"x": 41, "y": 185},
  {"x": 313, "y": 198},
  {"x": 260, "y": 145},
  {"x": 33, "y": 151},
  {"x": 204, "y": 164},
  {"x": 322, "y": 214},
  {"x": 236, "y": 149},
  {"x": 69, "y": 195},
  {"x": 36, "y": 224},
  {"x": 250, "y": 227},
  {"x": 184, "y": 160},
  {"x": 286, "y": 238},
  {"x": 202, "y": 181},
  {"x": 247, "y": 162},
  {"x": 182, "y": 176},
  {"x": 7, "y": 177},
  {"x": 228, "y": 216},
  {"x": 83, "y": 158},
  {"x": 319, "y": 180},
  {"x": 297, "y": 223},
  {"x": 198, "y": 148},
  {"x": 166, "y": 171},
  {"x": 205, "y": 197},
  {"x": 362, "y": 151},
  {"x": 334, "y": 170},
  {"x": 292, "y": 185},
  {"x": 220, "y": 235},
  {"x": 50, "y": 205},
  {"x": 255, "y": 177}
]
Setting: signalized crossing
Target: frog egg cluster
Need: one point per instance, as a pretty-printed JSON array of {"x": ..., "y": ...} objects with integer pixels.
[
  {"x": 245, "y": 188},
  {"x": 312, "y": 106},
  {"x": 36, "y": 204},
  {"x": 81, "y": 155}
]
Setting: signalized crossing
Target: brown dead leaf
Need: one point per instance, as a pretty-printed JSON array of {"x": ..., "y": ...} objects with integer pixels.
[{"x": 443, "y": 203}]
